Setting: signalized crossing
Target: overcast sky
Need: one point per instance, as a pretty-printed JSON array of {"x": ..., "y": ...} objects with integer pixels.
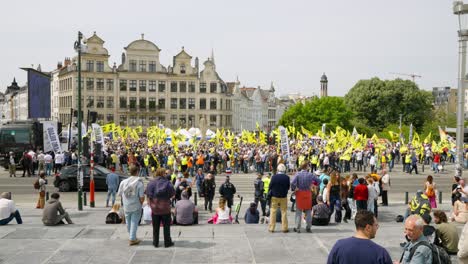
[{"x": 289, "y": 43}]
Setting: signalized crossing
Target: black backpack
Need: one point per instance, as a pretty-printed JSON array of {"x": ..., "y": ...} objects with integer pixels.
[{"x": 439, "y": 255}]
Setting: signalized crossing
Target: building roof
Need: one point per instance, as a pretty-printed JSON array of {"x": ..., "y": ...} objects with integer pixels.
[{"x": 324, "y": 78}]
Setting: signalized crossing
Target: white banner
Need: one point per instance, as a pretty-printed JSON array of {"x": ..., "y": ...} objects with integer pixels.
[
  {"x": 52, "y": 138},
  {"x": 284, "y": 141},
  {"x": 97, "y": 134}
]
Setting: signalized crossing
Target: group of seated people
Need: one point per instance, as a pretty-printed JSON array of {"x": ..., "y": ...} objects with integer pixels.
[{"x": 52, "y": 214}]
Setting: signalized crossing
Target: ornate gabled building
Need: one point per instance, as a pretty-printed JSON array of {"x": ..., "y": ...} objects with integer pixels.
[{"x": 141, "y": 91}]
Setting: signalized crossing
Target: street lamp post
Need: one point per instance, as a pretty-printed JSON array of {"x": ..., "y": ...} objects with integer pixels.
[
  {"x": 78, "y": 47},
  {"x": 461, "y": 10}
]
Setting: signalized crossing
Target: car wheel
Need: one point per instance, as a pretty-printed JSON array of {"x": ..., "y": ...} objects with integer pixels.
[{"x": 64, "y": 186}]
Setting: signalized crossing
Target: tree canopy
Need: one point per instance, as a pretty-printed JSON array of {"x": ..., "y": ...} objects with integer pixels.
[
  {"x": 378, "y": 103},
  {"x": 317, "y": 111}
]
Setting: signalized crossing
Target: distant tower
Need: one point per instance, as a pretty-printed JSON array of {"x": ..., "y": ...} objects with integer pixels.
[{"x": 324, "y": 86}]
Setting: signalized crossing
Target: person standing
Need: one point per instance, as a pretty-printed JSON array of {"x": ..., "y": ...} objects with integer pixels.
[
  {"x": 361, "y": 194},
  {"x": 333, "y": 199},
  {"x": 430, "y": 191},
  {"x": 132, "y": 192},
  {"x": 227, "y": 190},
  {"x": 208, "y": 189},
  {"x": 385, "y": 187},
  {"x": 26, "y": 162},
  {"x": 259, "y": 195},
  {"x": 41, "y": 184},
  {"x": 12, "y": 164},
  {"x": 359, "y": 248},
  {"x": 112, "y": 181},
  {"x": 8, "y": 210},
  {"x": 414, "y": 164},
  {"x": 160, "y": 191},
  {"x": 279, "y": 186},
  {"x": 199, "y": 178},
  {"x": 48, "y": 162}
]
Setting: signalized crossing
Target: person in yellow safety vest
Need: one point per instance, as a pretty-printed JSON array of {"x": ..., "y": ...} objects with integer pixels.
[
  {"x": 408, "y": 162},
  {"x": 266, "y": 185},
  {"x": 183, "y": 162},
  {"x": 301, "y": 158},
  {"x": 314, "y": 160},
  {"x": 170, "y": 161}
]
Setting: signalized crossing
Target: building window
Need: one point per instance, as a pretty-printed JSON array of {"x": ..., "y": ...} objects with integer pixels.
[
  {"x": 123, "y": 120},
  {"x": 182, "y": 68},
  {"x": 142, "y": 85},
  {"x": 191, "y": 87},
  {"x": 173, "y": 87},
  {"x": 183, "y": 87},
  {"x": 90, "y": 66},
  {"x": 213, "y": 120},
  {"x": 89, "y": 83},
  {"x": 133, "y": 86},
  {"x": 132, "y": 102},
  {"x": 162, "y": 103},
  {"x": 202, "y": 103},
  {"x": 152, "y": 120},
  {"x": 228, "y": 120},
  {"x": 191, "y": 103},
  {"x": 173, "y": 103},
  {"x": 90, "y": 102},
  {"x": 100, "y": 102},
  {"x": 182, "y": 103},
  {"x": 143, "y": 66},
  {"x": 191, "y": 120},
  {"x": 228, "y": 104},
  {"x": 182, "y": 121},
  {"x": 142, "y": 120},
  {"x": 152, "y": 86},
  {"x": 220, "y": 104},
  {"x": 152, "y": 103},
  {"x": 99, "y": 66},
  {"x": 213, "y": 87},
  {"x": 110, "y": 118},
  {"x": 99, "y": 84},
  {"x": 162, "y": 120},
  {"x": 223, "y": 88},
  {"x": 142, "y": 102},
  {"x": 133, "y": 65},
  {"x": 110, "y": 102},
  {"x": 133, "y": 120},
  {"x": 213, "y": 103},
  {"x": 123, "y": 102},
  {"x": 173, "y": 120},
  {"x": 110, "y": 85},
  {"x": 152, "y": 66},
  {"x": 203, "y": 87},
  {"x": 162, "y": 86},
  {"x": 123, "y": 85}
]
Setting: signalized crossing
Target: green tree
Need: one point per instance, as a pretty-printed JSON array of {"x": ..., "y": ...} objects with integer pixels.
[
  {"x": 379, "y": 103},
  {"x": 317, "y": 111}
]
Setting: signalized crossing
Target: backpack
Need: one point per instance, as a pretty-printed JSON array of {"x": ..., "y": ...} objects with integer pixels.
[
  {"x": 36, "y": 184},
  {"x": 439, "y": 255},
  {"x": 113, "y": 218},
  {"x": 430, "y": 191},
  {"x": 420, "y": 206}
]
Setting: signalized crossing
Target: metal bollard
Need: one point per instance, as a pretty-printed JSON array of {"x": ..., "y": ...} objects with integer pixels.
[
  {"x": 440, "y": 197},
  {"x": 84, "y": 199},
  {"x": 195, "y": 199},
  {"x": 47, "y": 196},
  {"x": 406, "y": 198},
  {"x": 423, "y": 167}
]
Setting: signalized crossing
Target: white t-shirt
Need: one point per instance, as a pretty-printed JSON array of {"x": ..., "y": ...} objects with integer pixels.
[
  {"x": 59, "y": 158},
  {"x": 7, "y": 207},
  {"x": 48, "y": 158}
]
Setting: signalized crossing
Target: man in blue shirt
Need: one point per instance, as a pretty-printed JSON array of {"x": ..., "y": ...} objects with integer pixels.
[
  {"x": 132, "y": 192},
  {"x": 279, "y": 186},
  {"x": 359, "y": 248},
  {"x": 112, "y": 181},
  {"x": 414, "y": 226}
]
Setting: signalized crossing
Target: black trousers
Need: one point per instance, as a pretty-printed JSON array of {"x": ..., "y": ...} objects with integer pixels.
[
  {"x": 347, "y": 211},
  {"x": 209, "y": 202},
  {"x": 361, "y": 205},
  {"x": 320, "y": 221},
  {"x": 385, "y": 198},
  {"x": 262, "y": 201},
  {"x": 166, "y": 221}
]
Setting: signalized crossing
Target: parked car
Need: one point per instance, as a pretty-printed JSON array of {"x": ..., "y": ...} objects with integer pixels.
[{"x": 66, "y": 180}]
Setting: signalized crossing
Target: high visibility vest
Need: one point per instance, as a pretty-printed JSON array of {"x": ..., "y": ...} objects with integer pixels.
[
  {"x": 170, "y": 160},
  {"x": 408, "y": 159},
  {"x": 266, "y": 184},
  {"x": 314, "y": 159},
  {"x": 146, "y": 161},
  {"x": 183, "y": 161}
]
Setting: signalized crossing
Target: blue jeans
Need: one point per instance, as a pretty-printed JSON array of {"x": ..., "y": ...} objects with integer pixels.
[
  {"x": 132, "y": 219},
  {"x": 143, "y": 172},
  {"x": 48, "y": 168},
  {"x": 15, "y": 215},
  {"x": 125, "y": 168},
  {"x": 109, "y": 193}
]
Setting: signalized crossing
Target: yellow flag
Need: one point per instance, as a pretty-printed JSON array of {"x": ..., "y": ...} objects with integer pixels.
[{"x": 428, "y": 138}]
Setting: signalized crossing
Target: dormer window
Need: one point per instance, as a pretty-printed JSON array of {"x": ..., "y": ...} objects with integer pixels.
[
  {"x": 182, "y": 68},
  {"x": 133, "y": 65}
]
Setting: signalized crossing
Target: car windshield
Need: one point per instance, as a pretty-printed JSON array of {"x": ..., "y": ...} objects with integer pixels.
[
  {"x": 68, "y": 169},
  {"x": 103, "y": 169}
]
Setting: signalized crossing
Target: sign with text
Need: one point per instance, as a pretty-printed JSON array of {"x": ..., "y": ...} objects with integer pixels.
[{"x": 53, "y": 142}]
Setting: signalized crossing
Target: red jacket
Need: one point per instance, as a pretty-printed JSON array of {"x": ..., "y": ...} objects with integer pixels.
[{"x": 360, "y": 192}]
